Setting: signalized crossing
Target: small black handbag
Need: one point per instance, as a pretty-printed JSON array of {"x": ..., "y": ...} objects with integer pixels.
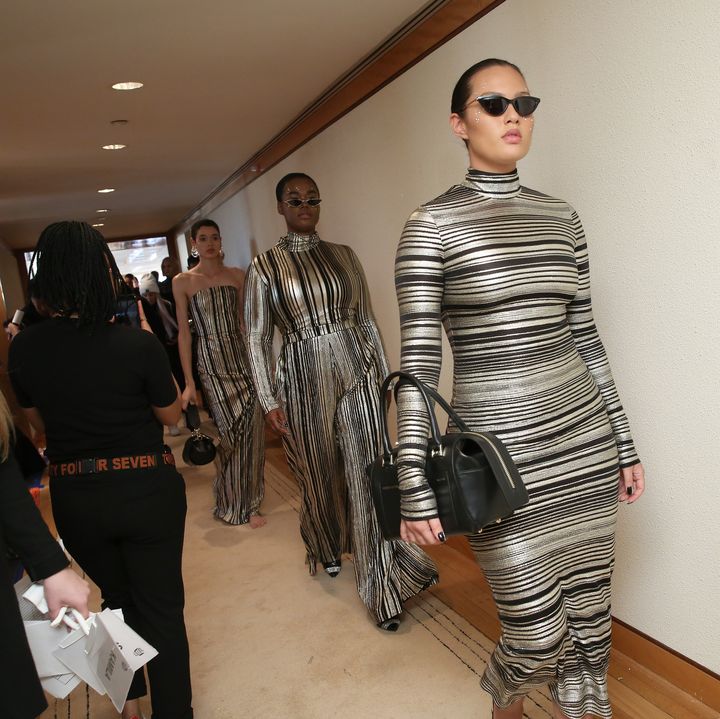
[
  {"x": 472, "y": 475},
  {"x": 199, "y": 448}
]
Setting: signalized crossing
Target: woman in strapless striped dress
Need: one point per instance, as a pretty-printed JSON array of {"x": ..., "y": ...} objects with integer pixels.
[
  {"x": 505, "y": 270},
  {"x": 212, "y": 294}
]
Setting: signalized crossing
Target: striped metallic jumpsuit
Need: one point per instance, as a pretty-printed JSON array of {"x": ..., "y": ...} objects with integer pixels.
[
  {"x": 327, "y": 379},
  {"x": 505, "y": 270}
]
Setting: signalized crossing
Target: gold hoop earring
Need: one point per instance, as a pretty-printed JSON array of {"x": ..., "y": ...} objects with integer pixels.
[{"x": 194, "y": 252}]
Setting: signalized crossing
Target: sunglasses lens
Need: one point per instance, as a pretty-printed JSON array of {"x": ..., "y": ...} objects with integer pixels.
[
  {"x": 494, "y": 105},
  {"x": 526, "y": 105},
  {"x": 314, "y": 201},
  {"x": 293, "y": 203}
]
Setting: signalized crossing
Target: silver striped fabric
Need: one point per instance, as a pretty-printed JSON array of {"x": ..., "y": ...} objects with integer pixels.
[
  {"x": 328, "y": 378},
  {"x": 504, "y": 269},
  {"x": 232, "y": 402}
]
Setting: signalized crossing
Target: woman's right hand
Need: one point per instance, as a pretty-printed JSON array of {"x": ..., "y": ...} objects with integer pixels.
[
  {"x": 66, "y": 589},
  {"x": 424, "y": 532},
  {"x": 189, "y": 395},
  {"x": 278, "y": 421}
]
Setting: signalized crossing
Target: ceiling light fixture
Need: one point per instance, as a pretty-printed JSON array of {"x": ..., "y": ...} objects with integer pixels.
[
  {"x": 102, "y": 210},
  {"x": 99, "y": 224},
  {"x": 114, "y": 147},
  {"x": 107, "y": 189},
  {"x": 127, "y": 86},
  {"x": 118, "y": 122}
]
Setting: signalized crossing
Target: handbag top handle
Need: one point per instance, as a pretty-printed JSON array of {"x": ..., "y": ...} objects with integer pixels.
[{"x": 426, "y": 393}]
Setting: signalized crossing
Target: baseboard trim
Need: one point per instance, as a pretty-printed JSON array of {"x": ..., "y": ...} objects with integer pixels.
[{"x": 681, "y": 671}]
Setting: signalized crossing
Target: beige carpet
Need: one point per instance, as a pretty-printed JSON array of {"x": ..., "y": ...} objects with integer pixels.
[{"x": 267, "y": 640}]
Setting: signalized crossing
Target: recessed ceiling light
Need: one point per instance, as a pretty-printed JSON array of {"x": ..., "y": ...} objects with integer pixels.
[
  {"x": 127, "y": 86},
  {"x": 107, "y": 189},
  {"x": 99, "y": 224},
  {"x": 102, "y": 210},
  {"x": 119, "y": 122},
  {"x": 114, "y": 147}
]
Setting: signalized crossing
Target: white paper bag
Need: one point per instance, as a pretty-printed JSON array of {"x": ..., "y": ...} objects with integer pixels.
[{"x": 115, "y": 653}]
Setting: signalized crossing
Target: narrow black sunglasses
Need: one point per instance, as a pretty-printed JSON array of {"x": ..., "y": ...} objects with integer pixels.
[
  {"x": 297, "y": 202},
  {"x": 496, "y": 105}
]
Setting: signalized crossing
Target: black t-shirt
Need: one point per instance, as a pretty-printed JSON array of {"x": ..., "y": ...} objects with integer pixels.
[{"x": 94, "y": 391}]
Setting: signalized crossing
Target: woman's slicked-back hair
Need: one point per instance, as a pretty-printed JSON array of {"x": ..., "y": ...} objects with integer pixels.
[
  {"x": 462, "y": 89},
  {"x": 280, "y": 187},
  {"x": 74, "y": 272},
  {"x": 205, "y": 222}
]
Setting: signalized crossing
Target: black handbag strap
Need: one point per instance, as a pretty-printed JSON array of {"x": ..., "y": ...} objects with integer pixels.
[{"x": 406, "y": 378}]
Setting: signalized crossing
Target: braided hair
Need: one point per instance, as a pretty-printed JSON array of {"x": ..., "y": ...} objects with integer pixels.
[{"x": 73, "y": 272}]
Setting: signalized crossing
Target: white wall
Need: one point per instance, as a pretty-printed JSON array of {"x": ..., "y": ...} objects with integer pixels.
[
  {"x": 10, "y": 282},
  {"x": 626, "y": 133}
]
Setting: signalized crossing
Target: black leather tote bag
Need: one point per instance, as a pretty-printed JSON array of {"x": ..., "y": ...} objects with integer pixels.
[{"x": 474, "y": 479}]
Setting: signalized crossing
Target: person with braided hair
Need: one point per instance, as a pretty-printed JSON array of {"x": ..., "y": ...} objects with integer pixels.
[{"x": 101, "y": 391}]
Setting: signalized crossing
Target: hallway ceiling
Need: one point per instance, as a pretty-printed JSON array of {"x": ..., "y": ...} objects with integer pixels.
[{"x": 221, "y": 78}]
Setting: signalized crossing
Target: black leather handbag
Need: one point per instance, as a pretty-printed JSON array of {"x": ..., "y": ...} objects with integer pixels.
[
  {"x": 472, "y": 475},
  {"x": 199, "y": 449}
]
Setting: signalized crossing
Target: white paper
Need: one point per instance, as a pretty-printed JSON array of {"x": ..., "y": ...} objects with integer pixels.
[
  {"x": 115, "y": 653},
  {"x": 135, "y": 649},
  {"x": 75, "y": 658},
  {"x": 106, "y": 659},
  {"x": 44, "y": 640},
  {"x": 60, "y": 686}
]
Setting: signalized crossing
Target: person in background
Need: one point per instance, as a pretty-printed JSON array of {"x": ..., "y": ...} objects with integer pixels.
[
  {"x": 213, "y": 295},
  {"x": 504, "y": 269},
  {"x": 324, "y": 400},
  {"x": 118, "y": 501},
  {"x": 23, "y": 530},
  {"x": 132, "y": 282},
  {"x": 24, "y": 317},
  {"x": 170, "y": 267},
  {"x": 161, "y": 317}
]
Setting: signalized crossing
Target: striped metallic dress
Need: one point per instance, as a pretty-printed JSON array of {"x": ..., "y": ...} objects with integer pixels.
[
  {"x": 504, "y": 269},
  {"x": 327, "y": 379},
  {"x": 231, "y": 399}
]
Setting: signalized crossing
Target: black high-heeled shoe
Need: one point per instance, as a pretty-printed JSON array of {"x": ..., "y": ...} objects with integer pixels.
[
  {"x": 333, "y": 568},
  {"x": 390, "y": 625}
]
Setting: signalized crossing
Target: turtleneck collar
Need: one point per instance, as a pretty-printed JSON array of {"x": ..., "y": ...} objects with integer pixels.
[
  {"x": 492, "y": 184},
  {"x": 298, "y": 243}
]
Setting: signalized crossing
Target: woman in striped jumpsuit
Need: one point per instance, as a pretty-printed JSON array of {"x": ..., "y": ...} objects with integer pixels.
[
  {"x": 505, "y": 270},
  {"x": 324, "y": 399}
]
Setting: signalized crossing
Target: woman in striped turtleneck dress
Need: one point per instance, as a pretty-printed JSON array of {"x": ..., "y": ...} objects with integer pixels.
[
  {"x": 324, "y": 398},
  {"x": 505, "y": 270}
]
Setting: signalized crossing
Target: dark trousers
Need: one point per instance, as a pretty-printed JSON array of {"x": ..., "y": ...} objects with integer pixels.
[
  {"x": 175, "y": 365},
  {"x": 125, "y": 529}
]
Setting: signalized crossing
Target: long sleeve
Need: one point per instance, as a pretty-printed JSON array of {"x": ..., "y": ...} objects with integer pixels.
[
  {"x": 590, "y": 348},
  {"x": 259, "y": 326},
  {"x": 23, "y": 528},
  {"x": 367, "y": 318},
  {"x": 419, "y": 283}
]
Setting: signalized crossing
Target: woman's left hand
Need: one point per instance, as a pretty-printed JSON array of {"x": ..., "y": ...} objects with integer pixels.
[
  {"x": 632, "y": 483},
  {"x": 423, "y": 532}
]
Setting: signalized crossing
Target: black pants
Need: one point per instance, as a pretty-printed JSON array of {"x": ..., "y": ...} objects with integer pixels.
[{"x": 126, "y": 531}]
